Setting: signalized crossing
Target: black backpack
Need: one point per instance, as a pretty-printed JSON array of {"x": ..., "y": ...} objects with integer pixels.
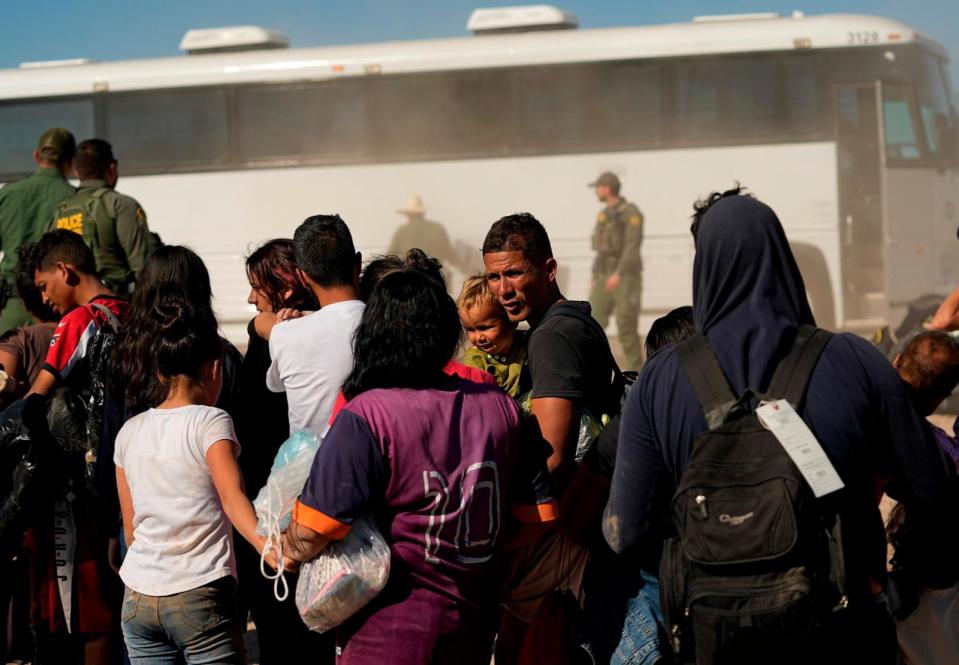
[
  {"x": 75, "y": 410},
  {"x": 756, "y": 563}
]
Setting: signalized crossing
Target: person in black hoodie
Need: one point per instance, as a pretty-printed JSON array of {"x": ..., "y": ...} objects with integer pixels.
[{"x": 749, "y": 300}]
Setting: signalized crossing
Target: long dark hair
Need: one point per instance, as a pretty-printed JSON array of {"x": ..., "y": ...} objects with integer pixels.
[
  {"x": 185, "y": 343},
  {"x": 271, "y": 269},
  {"x": 408, "y": 333},
  {"x": 173, "y": 276}
]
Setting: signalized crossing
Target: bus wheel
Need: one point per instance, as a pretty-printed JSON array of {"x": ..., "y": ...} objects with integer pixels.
[{"x": 815, "y": 273}]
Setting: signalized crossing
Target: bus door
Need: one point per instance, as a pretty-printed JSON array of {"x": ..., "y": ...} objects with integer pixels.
[
  {"x": 859, "y": 162},
  {"x": 920, "y": 184}
]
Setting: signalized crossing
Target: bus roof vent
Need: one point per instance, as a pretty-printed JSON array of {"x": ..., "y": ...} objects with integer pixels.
[
  {"x": 717, "y": 18},
  {"x": 234, "y": 38},
  {"x": 69, "y": 62},
  {"x": 527, "y": 18}
]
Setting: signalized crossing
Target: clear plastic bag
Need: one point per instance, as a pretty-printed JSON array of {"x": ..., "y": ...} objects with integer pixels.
[
  {"x": 343, "y": 578},
  {"x": 291, "y": 467},
  {"x": 589, "y": 426}
]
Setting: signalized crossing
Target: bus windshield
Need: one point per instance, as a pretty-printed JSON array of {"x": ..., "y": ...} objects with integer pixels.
[{"x": 935, "y": 112}]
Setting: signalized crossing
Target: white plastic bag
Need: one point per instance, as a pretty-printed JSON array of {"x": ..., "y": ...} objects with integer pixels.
[
  {"x": 291, "y": 467},
  {"x": 343, "y": 578}
]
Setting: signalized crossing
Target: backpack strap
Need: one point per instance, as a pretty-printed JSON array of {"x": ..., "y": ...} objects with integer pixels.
[
  {"x": 792, "y": 375},
  {"x": 108, "y": 313},
  {"x": 619, "y": 380},
  {"x": 707, "y": 378}
]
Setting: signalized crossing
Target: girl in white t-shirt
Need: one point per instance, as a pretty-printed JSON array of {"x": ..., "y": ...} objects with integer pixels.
[{"x": 180, "y": 488}]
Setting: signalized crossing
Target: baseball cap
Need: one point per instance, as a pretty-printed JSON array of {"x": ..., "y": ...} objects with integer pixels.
[
  {"x": 607, "y": 178},
  {"x": 57, "y": 144}
]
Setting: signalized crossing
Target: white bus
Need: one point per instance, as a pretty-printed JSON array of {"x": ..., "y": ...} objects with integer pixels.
[{"x": 842, "y": 123}]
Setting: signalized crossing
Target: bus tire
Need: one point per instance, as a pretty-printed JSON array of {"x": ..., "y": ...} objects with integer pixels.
[{"x": 815, "y": 274}]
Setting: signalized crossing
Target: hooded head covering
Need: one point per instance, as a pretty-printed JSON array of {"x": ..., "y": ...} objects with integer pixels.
[{"x": 748, "y": 295}]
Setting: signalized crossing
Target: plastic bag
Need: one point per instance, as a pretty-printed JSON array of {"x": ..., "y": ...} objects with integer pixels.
[
  {"x": 291, "y": 467},
  {"x": 21, "y": 461},
  {"x": 589, "y": 426},
  {"x": 345, "y": 576}
]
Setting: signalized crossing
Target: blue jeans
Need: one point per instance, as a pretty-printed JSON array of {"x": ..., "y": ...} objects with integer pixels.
[
  {"x": 643, "y": 628},
  {"x": 621, "y": 622},
  {"x": 195, "y": 626}
]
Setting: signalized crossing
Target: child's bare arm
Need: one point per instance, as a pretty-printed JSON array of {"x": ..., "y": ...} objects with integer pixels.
[{"x": 229, "y": 485}]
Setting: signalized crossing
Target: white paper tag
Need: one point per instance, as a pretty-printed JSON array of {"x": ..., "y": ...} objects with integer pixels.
[
  {"x": 801, "y": 445},
  {"x": 65, "y": 544}
]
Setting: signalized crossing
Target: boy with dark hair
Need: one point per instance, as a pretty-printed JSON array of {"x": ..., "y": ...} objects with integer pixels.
[
  {"x": 77, "y": 594},
  {"x": 323, "y": 248},
  {"x": 312, "y": 355},
  {"x": 65, "y": 273},
  {"x": 113, "y": 225},
  {"x": 671, "y": 328}
]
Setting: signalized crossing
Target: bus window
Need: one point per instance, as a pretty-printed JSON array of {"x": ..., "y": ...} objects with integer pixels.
[
  {"x": 754, "y": 98},
  {"x": 750, "y": 88},
  {"x": 320, "y": 122},
  {"x": 168, "y": 130},
  {"x": 551, "y": 109},
  {"x": 623, "y": 105},
  {"x": 697, "y": 98},
  {"x": 442, "y": 115},
  {"x": 587, "y": 108},
  {"x": 22, "y": 124},
  {"x": 801, "y": 98},
  {"x": 902, "y": 143},
  {"x": 937, "y": 121}
]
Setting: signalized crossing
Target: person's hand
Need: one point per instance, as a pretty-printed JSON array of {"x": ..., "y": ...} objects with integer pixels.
[
  {"x": 270, "y": 557},
  {"x": 612, "y": 282},
  {"x": 592, "y": 285},
  {"x": 113, "y": 554},
  {"x": 288, "y": 313}
]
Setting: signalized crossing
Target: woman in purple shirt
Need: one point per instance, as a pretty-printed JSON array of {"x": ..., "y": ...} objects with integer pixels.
[{"x": 440, "y": 463}]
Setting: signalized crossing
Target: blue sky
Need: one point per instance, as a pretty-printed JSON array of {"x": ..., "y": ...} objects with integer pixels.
[{"x": 122, "y": 29}]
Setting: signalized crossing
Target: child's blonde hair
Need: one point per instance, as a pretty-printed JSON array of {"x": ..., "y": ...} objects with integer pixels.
[{"x": 476, "y": 292}]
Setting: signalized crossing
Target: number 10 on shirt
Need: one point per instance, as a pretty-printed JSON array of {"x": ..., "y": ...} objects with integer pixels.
[{"x": 472, "y": 527}]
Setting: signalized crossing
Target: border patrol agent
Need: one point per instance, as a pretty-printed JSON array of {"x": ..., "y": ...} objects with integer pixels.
[
  {"x": 420, "y": 232},
  {"x": 617, "y": 268},
  {"x": 113, "y": 225},
  {"x": 25, "y": 210}
]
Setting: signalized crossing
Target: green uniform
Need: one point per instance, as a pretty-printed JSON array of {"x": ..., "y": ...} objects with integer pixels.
[
  {"x": 113, "y": 225},
  {"x": 26, "y": 207},
  {"x": 427, "y": 235},
  {"x": 616, "y": 241}
]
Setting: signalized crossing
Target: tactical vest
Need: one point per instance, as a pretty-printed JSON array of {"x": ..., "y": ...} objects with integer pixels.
[
  {"x": 86, "y": 213},
  {"x": 610, "y": 232}
]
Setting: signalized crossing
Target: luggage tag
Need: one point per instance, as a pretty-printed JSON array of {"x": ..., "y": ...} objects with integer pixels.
[{"x": 779, "y": 417}]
